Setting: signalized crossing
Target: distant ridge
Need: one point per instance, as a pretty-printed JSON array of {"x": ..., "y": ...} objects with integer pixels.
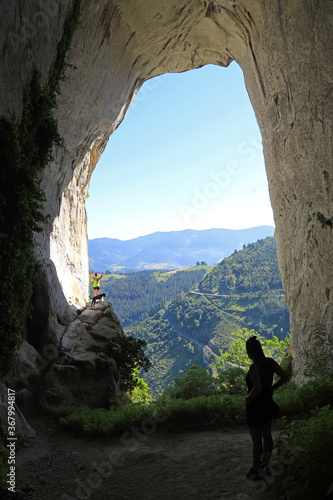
[{"x": 172, "y": 249}]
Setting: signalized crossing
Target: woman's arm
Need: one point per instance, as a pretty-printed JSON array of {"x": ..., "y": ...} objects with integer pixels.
[
  {"x": 281, "y": 373},
  {"x": 256, "y": 380}
]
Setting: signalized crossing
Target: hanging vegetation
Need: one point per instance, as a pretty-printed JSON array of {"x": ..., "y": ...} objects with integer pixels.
[{"x": 25, "y": 150}]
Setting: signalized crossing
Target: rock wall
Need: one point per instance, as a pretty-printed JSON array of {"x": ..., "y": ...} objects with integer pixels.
[
  {"x": 73, "y": 365},
  {"x": 285, "y": 51}
]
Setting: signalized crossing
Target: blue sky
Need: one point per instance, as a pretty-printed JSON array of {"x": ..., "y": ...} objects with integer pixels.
[{"x": 188, "y": 155}]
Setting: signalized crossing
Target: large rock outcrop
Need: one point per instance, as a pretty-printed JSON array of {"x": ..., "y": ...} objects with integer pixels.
[
  {"x": 76, "y": 364},
  {"x": 285, "y": 51},
  {"x": 80, "y": 373}
]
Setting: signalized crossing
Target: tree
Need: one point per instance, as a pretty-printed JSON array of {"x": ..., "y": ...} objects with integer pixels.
[
  {"x": 232, "y": 381},
  {"x": 139, "y": 394},
  {"x": 237, "y": 355},
  {"x": 196, "y": 382},
  {"x": 128, "y": 354}
]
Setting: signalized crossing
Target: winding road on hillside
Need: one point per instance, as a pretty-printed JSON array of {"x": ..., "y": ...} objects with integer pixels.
[
  {"x": 209, "y": 294},
  {"x": 208, "y": 297},
  {"x": 274, "y": 292},
  {"x": 192, "y": 340},
  {"x": 179, "y": 332}
]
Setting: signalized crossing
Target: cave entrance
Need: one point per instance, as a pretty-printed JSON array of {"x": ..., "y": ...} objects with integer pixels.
[{"x": 188, "y": 155}]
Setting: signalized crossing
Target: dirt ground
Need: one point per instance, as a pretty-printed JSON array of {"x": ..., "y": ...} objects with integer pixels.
[{"x": 148, "y": 464}]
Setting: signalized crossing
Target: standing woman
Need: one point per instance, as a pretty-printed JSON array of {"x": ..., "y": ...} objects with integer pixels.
[
  {"x": 260, "y": 407},
  {"x": 96, "y": 283}
]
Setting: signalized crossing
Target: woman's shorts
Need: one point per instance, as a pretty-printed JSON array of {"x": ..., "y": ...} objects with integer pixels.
[{"x": 260, "y": 411}]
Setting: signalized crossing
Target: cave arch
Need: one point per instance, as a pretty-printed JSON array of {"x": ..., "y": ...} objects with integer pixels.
[
  {"x": 196, "y": 133},
  {"x": 285, "y": 52}
]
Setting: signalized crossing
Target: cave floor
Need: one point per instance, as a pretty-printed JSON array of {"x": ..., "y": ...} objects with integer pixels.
[{"x": 151, "y": 465}]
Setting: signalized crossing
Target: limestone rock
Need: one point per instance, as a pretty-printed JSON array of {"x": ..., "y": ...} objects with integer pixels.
[
  {"x": 105, "y": 329},
  {"x": 29, "y": 365},
  {"x": 76, "y": 336},
  {"x": 22, "y": 396},
  {"x": 80, "y": 374},
  {"x": 285, "y": 51},
  {"x": 79, "y": 382}
]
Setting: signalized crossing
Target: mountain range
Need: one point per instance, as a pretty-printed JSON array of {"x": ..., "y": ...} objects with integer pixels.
[{"x": 172, "y": 249}]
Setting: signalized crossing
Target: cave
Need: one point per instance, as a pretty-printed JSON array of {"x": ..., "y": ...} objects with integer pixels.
[{"x": 285, "y": 52}]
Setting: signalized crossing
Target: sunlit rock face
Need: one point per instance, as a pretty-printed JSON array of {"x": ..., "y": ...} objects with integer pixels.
[
  {"x": 285, "y": 51},
  {"x": 74, "y": 365},
  {"x": 78, "y": 373}
]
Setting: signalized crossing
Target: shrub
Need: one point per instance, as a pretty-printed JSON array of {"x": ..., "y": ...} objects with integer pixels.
[
  {"x": 315, "y": 393},
  {"x": 303, "y": 460},
  {"x": 176, "y": 412},
  {"x": 196, "y": 411},
  {"x": 232, "y": 381},
  {"x": 128, "y": 356},
  {"x": 101, "y": 422},
  {"x": 196, "y": 382}
]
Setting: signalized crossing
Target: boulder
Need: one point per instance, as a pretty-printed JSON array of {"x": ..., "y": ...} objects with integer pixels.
[
  {"x": 105, "y": 329},
  {"x": 81, "y": 374},
  {"x": 85, "y": 380},
  {"x": 29, "y": 366},
  {"x": 76, "y": 336}
]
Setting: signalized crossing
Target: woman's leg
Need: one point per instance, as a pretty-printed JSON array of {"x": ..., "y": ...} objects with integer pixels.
[
  {"x": 268, "y": 441},
  {"x": 256, "y": 436}
]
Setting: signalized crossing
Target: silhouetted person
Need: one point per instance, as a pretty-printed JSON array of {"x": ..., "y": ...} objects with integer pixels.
[
  {"x": 260, "y": 407},
  {"x": 96, "y": 283}
]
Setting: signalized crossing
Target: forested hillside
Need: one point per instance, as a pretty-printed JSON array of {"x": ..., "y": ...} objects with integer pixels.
[
  {"x": 196, "y": 325},
  {"x": 253, "y": 269},
  {"x": 137, "y": 296}
]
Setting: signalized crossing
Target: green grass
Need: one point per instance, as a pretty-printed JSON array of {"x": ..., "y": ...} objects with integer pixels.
[
  {"x": 160, "y": 275},
  {"x": 115, "y": 276},
  {"x": 195, "y": 268},
  {"x": 198, "y": 411},
  {"x": 238, "y": 308},
  {"x": 165, "y": 275},
  {"x": 175, "y": 413}
]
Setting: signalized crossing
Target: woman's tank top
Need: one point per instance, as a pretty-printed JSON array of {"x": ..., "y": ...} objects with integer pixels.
[{"x": 266, "y": 375}]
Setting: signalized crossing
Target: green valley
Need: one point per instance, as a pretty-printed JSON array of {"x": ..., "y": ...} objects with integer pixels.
[
  {"x": 138, "y": 295},
  {"x": 243, "y": 291}
]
